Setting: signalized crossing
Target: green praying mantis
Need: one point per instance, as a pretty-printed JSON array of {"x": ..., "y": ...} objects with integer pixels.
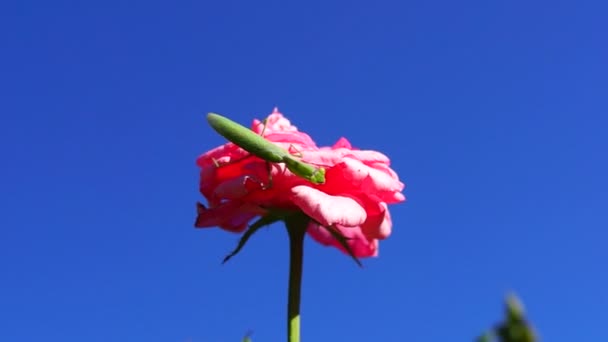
[
  {"x": 271, "y": 153},
  {"x": 262, "y": 148}
]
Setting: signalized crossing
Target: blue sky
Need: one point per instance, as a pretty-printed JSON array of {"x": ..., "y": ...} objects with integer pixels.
[{"x": 494, "y": 114}]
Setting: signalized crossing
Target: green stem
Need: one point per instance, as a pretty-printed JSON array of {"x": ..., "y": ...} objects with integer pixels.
[{"x": 296, "y": 227}]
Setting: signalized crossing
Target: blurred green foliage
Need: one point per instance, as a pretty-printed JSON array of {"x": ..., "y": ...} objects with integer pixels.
[
  {"x": 514, "y": 327},
  {"x": 247, "y": 337}
]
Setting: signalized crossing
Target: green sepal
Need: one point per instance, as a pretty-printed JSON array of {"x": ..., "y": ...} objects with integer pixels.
[
  {"x": 261, "y": 222},
  {"x": 336, "y": 234}
]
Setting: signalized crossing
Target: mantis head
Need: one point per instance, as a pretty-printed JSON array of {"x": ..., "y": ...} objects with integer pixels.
[
  {"x": 318, "y": 176},
  {"x": 307, "y": 171}
]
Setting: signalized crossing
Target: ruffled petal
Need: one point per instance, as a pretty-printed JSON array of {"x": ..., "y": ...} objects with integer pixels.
[
  {"x": 238, "y": 188},
  {"x": 328, "y": 157},
  {"x": 378, "y": 224},
  {"x": 326, "y": 209},
  {"x": 342, "y": 143},
  {"x": 355, "y": 178},
  {"x": 275, "y": 122},
  {"x": 231, "y": 216},
  {"x": 360, "y": 245},
  {"x": 220, "y": 155}
]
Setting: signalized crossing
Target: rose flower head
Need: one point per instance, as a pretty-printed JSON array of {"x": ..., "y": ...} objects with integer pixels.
[{"x": 351, "y": 202}]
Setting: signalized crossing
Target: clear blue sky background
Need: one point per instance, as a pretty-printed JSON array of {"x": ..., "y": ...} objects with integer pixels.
[{"x": 493, "y": 112}]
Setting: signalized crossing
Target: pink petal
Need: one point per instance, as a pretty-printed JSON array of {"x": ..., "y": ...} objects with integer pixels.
[
  {"x": 221, "y": 155},
  {"x": 237, "y": 188},
  {"x": 358, "y": 243},
  {"x": 342, "y": 143},
  {"x": 329, "y": 157},
  {"x": 326, "y": 209},
  {"x": 291, "y": 138},
  {"x": 369, "y": 179},
  {"x": 378, "y": 224},
  {"x": 232, "y": 216},
  {"x": 274, "y": 122}
]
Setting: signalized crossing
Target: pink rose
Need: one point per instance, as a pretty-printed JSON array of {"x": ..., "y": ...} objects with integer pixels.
[{"x": 359, "y": 186}]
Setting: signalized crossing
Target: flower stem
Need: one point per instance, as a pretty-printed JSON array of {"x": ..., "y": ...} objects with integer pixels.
[{"x": 296, "y": 228}]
